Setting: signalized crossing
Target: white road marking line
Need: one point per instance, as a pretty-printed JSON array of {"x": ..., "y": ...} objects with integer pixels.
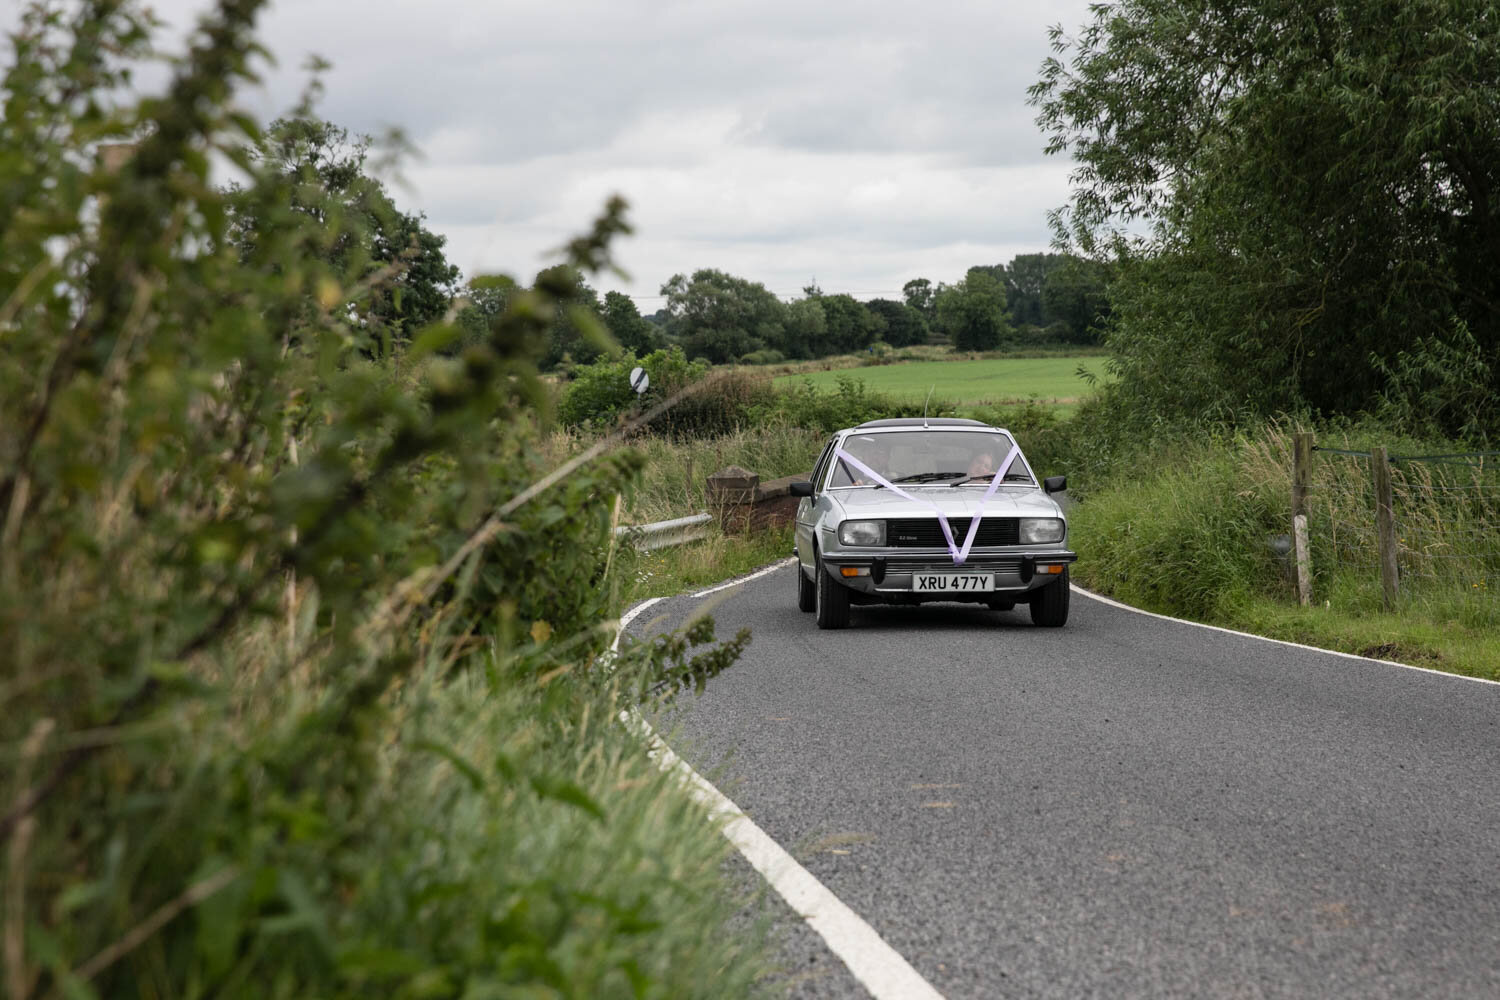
[
  {"x": 746, "y": 579},
  {"x": 1282, "y": 642},
  {"x": 878, "y": 966},
  {"x": 872, "y": 961}
]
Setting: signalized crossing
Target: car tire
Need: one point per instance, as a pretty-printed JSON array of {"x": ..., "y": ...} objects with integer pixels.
[
  {"x": 1049, "y": 605},
  {"x": 807, "y": 593},
  {"x": 832, "y": 599},
  {"x": 997, "y": 604}
]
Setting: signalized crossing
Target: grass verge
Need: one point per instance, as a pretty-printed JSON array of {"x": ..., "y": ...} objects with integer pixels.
[
  {"x": 1437, "y": 644},
  {"x": 1193, "y": 536},
  {"x": 683, "y": 568}
]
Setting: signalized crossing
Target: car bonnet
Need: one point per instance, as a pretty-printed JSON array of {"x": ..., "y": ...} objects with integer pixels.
[{"x": 960, "y": 501}]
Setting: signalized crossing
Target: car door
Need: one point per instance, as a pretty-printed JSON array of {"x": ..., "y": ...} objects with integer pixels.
[{"x": 807, "y": 508}]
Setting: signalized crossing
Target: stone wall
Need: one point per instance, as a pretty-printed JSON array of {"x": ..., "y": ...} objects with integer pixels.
[{"x": 742, "y": 503}]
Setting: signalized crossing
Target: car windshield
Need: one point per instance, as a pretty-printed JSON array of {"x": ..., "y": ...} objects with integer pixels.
[{"x": 930, "y": 457}]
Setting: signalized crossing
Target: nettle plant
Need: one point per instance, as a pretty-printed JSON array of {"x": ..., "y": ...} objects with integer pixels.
[{"x": 243, "y": 527}]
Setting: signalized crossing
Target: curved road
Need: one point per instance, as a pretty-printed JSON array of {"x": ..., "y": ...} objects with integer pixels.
[{"x": 1124, "y": 807}]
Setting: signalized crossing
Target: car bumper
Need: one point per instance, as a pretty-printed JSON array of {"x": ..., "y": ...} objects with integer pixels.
[{"x": 1016, "y": 571}]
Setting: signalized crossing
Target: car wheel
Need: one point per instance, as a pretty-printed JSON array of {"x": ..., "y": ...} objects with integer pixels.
[
  {"x": 1049, "y": 605},
  {"x": 998, "y": 604},
  {"x": 833, "y": 599},
  {"x": 807, "y": 595}
]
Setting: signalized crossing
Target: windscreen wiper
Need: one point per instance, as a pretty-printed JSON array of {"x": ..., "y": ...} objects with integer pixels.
[
  {"x": 927, "y": 477},
  {"x": 1010, "y": 477}
]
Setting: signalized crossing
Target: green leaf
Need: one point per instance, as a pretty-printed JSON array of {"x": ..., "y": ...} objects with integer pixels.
[
  {"x": 469, "y": 771},
  {"x": 567, "y": 792},
  {"x": 433, "y": 338},
  {"x": 305, "y": 913}
]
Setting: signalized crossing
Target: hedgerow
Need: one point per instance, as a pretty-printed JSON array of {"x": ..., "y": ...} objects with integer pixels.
[{"x": 304, "y": 683}]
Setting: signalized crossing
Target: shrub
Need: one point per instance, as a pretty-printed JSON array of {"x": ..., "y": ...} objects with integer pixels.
[
  {"x": 803, "y": 404},
  {"x": 301, "y": 651},
  {"x": 712, "y": 402}
]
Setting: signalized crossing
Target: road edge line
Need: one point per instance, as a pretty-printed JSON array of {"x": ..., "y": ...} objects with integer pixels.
[
  {"x": 1280, "y": 642},
  {"x": 877, "y": 966}
]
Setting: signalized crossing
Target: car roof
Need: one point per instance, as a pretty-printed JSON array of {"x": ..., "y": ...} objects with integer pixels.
[{"x": 922, "y": 422}]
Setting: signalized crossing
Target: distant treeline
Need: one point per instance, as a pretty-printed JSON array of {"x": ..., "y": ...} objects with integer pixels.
[{"x": 1036, "y": 299}]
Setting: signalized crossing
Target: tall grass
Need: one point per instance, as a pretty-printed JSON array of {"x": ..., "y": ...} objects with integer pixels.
[
  {"x": 1447, "y": 517},
  {"x": 718, "y": 557},
  {"x": 613, "y": 892},
  {"x": 1193, "y": 532},
  {"x": 508, "y": 838},
  {"x": 673, "y": 480}
]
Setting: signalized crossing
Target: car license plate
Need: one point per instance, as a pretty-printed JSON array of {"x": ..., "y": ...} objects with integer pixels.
[{"x": 952, "y": 583}]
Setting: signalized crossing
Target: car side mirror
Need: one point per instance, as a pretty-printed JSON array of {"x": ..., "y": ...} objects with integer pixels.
[
  {"x": 1055, "y": 484},
  {"x": 801, "y": 489}
]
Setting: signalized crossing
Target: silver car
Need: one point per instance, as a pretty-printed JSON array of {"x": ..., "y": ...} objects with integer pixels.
[{"x": 889, "y": 518}]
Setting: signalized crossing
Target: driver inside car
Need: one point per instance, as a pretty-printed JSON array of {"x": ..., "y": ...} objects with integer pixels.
[{"x": 982, "y": 465}]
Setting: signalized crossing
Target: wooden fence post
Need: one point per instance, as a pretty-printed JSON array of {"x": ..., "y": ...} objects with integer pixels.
[
  {"x": 1385, "y": 525},
  {"x": 1302, "y": 448}
]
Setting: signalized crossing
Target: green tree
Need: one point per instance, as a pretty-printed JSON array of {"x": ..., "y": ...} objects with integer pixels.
[
  {"x": 484, "y": 301},
  {"x": 806, "y": 330},
  {"x": 1076, "y": 294},
  {"x": 920, "y": 295},
  {"x": 850, "y": 326},
  {"x": 357, "y": 229},
  {"x": 1300, "y": 193},
  {"x": 1025, "y": 279},
  {"x": 576, "y": 334},
  {"x": 717, "y": 316},
  {"x": 904, "y": 325},
  {"x": 973, "y": 311},
  {"x": 625, "y": 322}
]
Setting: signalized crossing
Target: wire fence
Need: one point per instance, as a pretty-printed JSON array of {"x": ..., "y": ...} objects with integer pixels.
[{"x": 1445, "y": 549}]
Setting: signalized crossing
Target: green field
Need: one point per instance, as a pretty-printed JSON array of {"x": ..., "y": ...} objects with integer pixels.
[{"x": 991, "y": 380}]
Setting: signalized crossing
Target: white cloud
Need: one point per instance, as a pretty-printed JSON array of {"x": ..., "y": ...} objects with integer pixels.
[{"x": 863, "y": 142}]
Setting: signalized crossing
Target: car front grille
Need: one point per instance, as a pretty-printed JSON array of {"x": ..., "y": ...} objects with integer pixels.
[
  {"x": 1003, "y": 567},
  {"x": 925, "y": 532}
]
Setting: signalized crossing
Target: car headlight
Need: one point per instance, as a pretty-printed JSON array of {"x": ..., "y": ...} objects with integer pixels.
[
  {"x": 1035, "y": 530},
  {"x": 862, "y": 533}
]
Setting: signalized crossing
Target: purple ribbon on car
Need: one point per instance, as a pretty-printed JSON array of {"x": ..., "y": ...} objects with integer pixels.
[{"x": 959, "y": 554}]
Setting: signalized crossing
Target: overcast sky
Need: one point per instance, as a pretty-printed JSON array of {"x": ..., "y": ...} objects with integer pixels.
[{"x": 858, "y": 144}]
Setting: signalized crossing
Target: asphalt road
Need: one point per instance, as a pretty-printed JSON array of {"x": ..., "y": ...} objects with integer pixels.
[{"x": 1124, "y": 807}]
